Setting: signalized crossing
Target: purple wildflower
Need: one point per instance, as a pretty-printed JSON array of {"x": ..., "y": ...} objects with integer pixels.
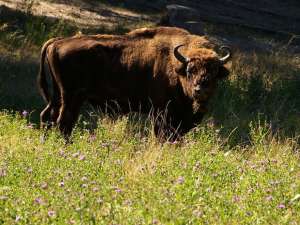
[
  {"x": 281, "y": 206},
  {"x": 236, "y": 198},
  {"x": 25, "y": 113},
  {"x": 61, "y": 184},
  {"x": 180, "y": 180},
  {"x": 269, "y": 198},
  {"x": 118, "y": 190},
  {"x": 155, "y": 221},
  {"x": 95, "y": 189},
  {"x": 82, "y": 157},
  {"x": 51, "y": 213},
  {"x": 38, "y": 200}
]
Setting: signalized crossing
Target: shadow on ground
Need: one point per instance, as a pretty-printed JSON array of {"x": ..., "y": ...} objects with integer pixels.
[
  {"x": 263, "y": 89},
  {"x": 141, "y": 6},
  {"x": 18, "y": 28},
  {"x": 18, "y": 89}
]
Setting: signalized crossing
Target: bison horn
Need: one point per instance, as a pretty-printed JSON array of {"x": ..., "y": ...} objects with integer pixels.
[
  {"x": 227, "y": 57},
  {"x": 179, "y": 56}
]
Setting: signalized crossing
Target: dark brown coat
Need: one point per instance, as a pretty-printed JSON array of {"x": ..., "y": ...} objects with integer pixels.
[{"x": 139, "y": 71}]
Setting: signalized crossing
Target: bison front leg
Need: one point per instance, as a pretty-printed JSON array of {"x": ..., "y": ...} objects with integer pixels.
[
  {"x": 189, "y": 122},
  {"x": 172, "y": 128},
  {"x": 167, "y": 129},
  {"x": 197, "y": 118}
]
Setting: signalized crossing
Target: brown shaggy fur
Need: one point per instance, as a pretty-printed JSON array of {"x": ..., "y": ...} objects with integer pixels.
[{"x": 138, "y": 71}]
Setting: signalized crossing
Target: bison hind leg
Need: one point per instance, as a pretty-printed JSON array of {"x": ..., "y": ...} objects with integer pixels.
[{"x": 69, "y": 112}]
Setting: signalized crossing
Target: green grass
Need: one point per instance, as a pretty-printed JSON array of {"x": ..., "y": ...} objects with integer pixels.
[
  {"x": 112, "y": 177},
  {"x": 239, "y": 166}
]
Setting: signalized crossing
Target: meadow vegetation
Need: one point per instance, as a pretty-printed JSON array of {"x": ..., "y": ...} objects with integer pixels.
[{"x": 239, "y": 166}]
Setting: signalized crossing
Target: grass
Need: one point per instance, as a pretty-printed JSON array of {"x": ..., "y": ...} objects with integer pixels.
[
  {"x": 240, "y": 166},
  {"x": 112, "y": 177}
]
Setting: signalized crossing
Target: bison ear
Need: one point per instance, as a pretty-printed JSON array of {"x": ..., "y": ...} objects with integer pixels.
[
  {"x": 181, "y": 69},
  {"x": 223, "y": 72}
]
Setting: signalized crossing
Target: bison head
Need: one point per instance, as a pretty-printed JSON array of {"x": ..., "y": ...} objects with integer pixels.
[{"x": 201, "y": 68}]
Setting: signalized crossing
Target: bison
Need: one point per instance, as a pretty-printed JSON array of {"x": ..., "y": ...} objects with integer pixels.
[{"x": 163, "y": 70}]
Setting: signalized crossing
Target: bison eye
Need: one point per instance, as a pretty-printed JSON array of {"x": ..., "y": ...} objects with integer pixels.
[{"x": 189, "y": 70}]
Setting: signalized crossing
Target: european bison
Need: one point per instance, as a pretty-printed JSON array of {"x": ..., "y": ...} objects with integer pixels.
[{"x": 164, "y": 70}]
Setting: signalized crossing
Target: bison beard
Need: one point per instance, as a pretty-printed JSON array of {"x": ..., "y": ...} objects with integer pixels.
[{"x": 164, "y": 70}]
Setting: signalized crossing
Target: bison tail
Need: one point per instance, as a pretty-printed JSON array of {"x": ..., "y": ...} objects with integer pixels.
[{"x": 41, "y": 79}]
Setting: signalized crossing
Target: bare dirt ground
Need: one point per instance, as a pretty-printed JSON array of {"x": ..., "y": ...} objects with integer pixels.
[
  {"x": 79, "y": 11},
  {"x": 89, "y": 13}
]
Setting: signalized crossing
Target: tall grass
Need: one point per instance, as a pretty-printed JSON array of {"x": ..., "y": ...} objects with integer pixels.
[{"x": 113, "y": 176}]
